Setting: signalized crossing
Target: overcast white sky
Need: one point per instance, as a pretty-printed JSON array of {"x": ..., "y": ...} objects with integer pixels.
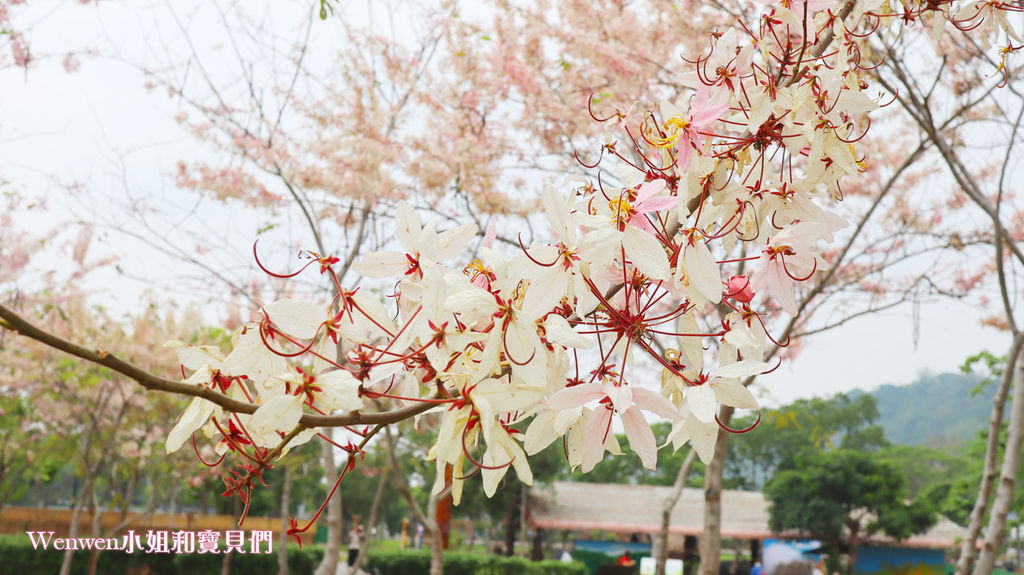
[{"x": 99, "y": 126}]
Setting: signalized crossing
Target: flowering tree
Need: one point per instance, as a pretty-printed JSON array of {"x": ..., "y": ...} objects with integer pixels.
[
  {"x": 959, "y": 103},
  {"x": 100, "y": 424},
  {"x": 739, "y": 176}
]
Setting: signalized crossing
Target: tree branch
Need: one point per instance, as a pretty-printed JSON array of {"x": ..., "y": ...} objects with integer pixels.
[{"x": 13, "y": 322}]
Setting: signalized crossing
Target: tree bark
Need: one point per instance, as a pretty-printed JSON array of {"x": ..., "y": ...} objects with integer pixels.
[
  {"x": 995, "y": 532},
  {"x": 371, "y": 521},
  {"x": 524, "y": 503},
  {"x": 711, "y": 541},
  {"x": 94, "y": 531},
  {"x": 537, "y": 549},
  {"x": 173, "y": 507},
  {"x": 123, "y": 521},
  {"x": 511, "y": 516},
  {"x": 425, "y": 518},
  {"x": 436, "y": 541},
  {"x": 225, "y": 562},
  {"x": 666, "y": 511},
  {"x": 854, "y": 528},
  {"x": 988, "y": 474},
  {"x": 329, "y": 564},
  {"x": 282, "y": 547}
]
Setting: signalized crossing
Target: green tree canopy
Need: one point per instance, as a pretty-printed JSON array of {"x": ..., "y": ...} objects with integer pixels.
[
  {"x": 807, "y": 425},
  {"x": 844, "y": 495}
]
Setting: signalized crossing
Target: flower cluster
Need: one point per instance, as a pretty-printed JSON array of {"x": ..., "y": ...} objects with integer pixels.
[{"x": 720, "y": 209}]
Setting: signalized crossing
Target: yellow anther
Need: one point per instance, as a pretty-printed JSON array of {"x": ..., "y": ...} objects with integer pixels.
[
  {"x": 622, "y": 210},
  {"x": 862, "y": 165},
  {"x": 475, "y": 268},
  {"x": 672, "y": 127}
]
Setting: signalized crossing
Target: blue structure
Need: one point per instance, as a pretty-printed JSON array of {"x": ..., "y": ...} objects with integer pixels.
[
  {"x": 899, "y": 560},
  {"x": 871, "y": 559}
]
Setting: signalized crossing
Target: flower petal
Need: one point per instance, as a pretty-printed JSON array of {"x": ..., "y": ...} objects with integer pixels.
[
  {"x": 195, "y": 356},
  {"x": 451, "y": 242},
  {"x": 382, "y": 264},
  {"x": 703, "y": 272},
  {"x": 655, "y": 403},
  {"x": 194, "y": 417},
  {"x": 641, "y": 438},
  {"x": 702, "y": 402},
  {"x": 703, "y": 437},
  {"x": 741, "y": 369},
  {"x": 595, "y": 434},
  {"x": 295, "y": 317},
  {"x": 281, "y": 413},
  {"x": 734, "y": 393},
  {"x": 576, "y": 396},
  {"x": 557, "y": 330},
  {"x": 646, "y": 253}
]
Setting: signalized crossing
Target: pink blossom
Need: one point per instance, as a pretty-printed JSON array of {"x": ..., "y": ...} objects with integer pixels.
[
  {"x": 739, "y": 289},
  {"x": 687, "y": 130},
  {"x": 635, "y": 212},
  {"x": 19, "y": 50}
]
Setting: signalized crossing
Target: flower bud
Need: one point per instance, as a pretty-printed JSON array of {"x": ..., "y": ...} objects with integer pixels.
[{"x": 739, "y": 289}]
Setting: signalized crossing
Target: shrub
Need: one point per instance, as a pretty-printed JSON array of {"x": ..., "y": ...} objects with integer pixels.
[
  {"x": 464, "y": 563},
  {"x": 19, "y": 558},
  {"x": 300, "y": 562}
]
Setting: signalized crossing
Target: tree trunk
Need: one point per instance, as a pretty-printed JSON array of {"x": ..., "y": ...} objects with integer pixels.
[
  {"x": 3, "y": 490},
  {"x": 436, "y": 541},
  {"x": 282, "y": 547},
  {"x": 711, "y": 540},
  {"x": 127, "y": 491},
  {"x": 124, "y": 520},
  {"x": 426, "y": 519},
  {"x": 173, "y": 508},
  {"x": 666, "y": 511},
  {"x": 225, "y": 562},
  {"x": 371, "y": 522},
  {"x": 996, "y": 529},
  {"x": 988, "y": 475},
  {"x": 94, "y": 531},
  {"x": 511, "y": 516},
  {"x": 443, "y": 514},
  {"x": 737, "y": 555},
  {"x": 76, "y": 516},
  {"x": 329, "y": 564},
  {"x": 524, "y": 502},
  {"x": 854, "y": 543},
  {"x": 537, "y": 549}
]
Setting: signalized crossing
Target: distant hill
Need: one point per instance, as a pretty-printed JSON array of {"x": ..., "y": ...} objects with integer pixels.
[{"x": 936, "y": 410}]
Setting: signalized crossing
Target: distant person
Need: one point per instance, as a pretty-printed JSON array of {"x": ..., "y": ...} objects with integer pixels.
[
  {"x": 355, "y": 540},
  {"x": 566, "y": 556},
  {"x": 626, "y": 560},
  {"x": 756, "y": 569}
]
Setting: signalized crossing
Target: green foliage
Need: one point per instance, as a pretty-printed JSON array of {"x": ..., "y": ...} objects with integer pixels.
[
  {"x": 463, "y": 563},
  {"x": 19, "y": 558},
  {"x": 956, "y": 499},
  {"x": 805, "y": 426},
  {"x": 300, "y": 562},
  {"x": 926, "y": 469},
  {"x": 827, "y": 491},
  {"x": 21, "y": 459},
  {"x": 988, "y": 366}
]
